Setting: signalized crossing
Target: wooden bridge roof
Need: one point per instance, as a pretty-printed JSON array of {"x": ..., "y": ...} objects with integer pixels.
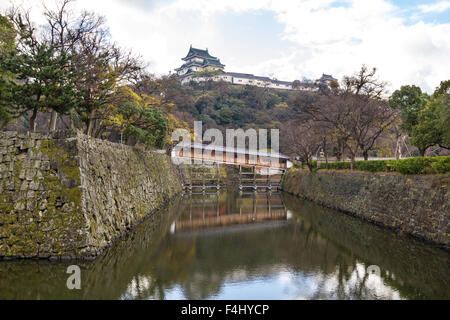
[{"x": 234, "y": 150}]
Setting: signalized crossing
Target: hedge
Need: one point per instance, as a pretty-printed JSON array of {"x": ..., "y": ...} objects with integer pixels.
[
  {"x": 303, "y": 165},
  {"x": 441, "y": 165},
  {"x": 418, "y": 165}
]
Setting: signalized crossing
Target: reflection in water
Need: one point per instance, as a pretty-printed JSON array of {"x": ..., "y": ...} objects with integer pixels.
[
  {"x": 231, "y": 246},
  {"x": 212, "y": 213}
]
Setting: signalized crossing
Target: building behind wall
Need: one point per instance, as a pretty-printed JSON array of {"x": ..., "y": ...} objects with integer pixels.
[{"x": 199, "y": 61}]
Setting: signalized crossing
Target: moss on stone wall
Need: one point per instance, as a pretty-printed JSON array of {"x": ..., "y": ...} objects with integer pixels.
[
  {"x": 68, "y": 195},
  {"x": 415, "y": 205}
]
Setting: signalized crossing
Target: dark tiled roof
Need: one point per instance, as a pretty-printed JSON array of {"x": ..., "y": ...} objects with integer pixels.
[
  {"x": 199, "y": 53},
  {"x": 282, "y": 82},
  {"x": 205, "y": 63},
  {"x": 247, "y": 76},
  {"x": 262, "y": 78},
  {"x": 233, "y": 150},
  {"x": 189, "y": 64},
  {"x": 213, "y": 62},
  {"x": 326, "y": 77},
  {"x": 253, "y": 77}
]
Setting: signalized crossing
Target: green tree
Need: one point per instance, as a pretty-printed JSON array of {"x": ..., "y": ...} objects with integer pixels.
[
  {"x": 224, "y": 115},
  {"x": 138, "y": 118},
  {"x": 427, "y": 133},
  {"x": 7, "y": 45},
  {"x": 410, "y": 100},
  {"x": 7, "y": 35},
  {"x": 440, "y": 102},
  {"x": 43, "y": 81},
  {"x": 425, "y": 119}
]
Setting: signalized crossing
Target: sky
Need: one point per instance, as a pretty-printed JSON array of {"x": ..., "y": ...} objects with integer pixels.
[{"x": 408, "y": 41}]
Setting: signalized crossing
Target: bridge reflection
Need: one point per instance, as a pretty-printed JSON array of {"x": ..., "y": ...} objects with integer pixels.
[
  {"x": 223, "y": 212},
  {"x": 316, "y": 254}
]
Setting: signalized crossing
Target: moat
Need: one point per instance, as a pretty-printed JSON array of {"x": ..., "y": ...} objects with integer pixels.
[{"x": 244, "y": 246}]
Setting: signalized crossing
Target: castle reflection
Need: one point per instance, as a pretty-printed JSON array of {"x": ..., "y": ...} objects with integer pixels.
[{"x": 244, "y": 246}]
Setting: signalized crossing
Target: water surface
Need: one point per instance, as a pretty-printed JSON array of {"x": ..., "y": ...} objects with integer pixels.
[{"x": 244, "y": 246}]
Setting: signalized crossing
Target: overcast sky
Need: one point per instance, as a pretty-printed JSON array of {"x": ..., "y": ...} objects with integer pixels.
[{"x": 407, "y": 40}]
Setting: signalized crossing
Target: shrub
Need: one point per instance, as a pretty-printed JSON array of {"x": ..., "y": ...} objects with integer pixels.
[
  {"x": 340, "y": 165},
  {"x": 372, "y": 166},
  {"x": 441, "y": 165},
  {"x": 298, "y": 165},
  {"x": 303, "y": 165},
  {"x": 419, "y": 165}
]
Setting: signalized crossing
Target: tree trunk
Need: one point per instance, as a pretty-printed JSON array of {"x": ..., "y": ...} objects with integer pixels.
[
  {"x": 325, "y": 153},
  {"x": 90, "y": 125},
  {"x": 33, "y": 120},
  {"x": 422, "y": 152},
  {"x": 338, "y": 154},
  {"x": 397, "y": 148},
  {"x": 366, "y": 155},
  {"x": 54, "y": 117}
]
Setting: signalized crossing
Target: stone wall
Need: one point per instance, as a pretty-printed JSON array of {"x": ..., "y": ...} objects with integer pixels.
[
  {"x": 417, "y": 205},
  {"x": 65, "y": 195}
]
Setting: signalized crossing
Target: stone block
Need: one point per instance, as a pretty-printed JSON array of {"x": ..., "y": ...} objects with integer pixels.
[
  {"x": 31, "y": 205},
  {"x": 34, "y": 185},
  {"x": 20, "y": 205},
  {"x": 30, "y": 194},
  {"x": 45, "y": 165},
  {"x": 9, "y": 185},
  {"x": 30, "y": 174},
  {"x": 24, "y": 186}
]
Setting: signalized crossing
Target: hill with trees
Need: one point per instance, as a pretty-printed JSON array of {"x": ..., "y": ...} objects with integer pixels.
[{"x": 69, "y": 73}]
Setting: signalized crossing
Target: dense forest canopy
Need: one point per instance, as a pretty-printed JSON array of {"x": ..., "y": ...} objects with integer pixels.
[{"x": 223, "y": 105}]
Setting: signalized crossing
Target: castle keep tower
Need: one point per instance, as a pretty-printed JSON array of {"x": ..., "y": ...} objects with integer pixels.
[{"x": 198, "y": 60}]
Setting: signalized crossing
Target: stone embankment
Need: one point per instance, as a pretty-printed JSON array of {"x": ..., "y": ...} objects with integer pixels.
[
  {"x": 66, "y": 195},
  {"x": 417, "y": 205}
]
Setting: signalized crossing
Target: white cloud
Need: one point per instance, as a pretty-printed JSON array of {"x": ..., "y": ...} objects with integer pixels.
[
  {"x": 438, "y": 7},
  {"x": 321, "y": 36}
]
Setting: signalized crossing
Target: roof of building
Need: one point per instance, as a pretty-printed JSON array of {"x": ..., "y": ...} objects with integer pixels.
[
  {"x": 233, "y": 150},
  {"x": 205, "y": 63},
  {"x": 199, "y": 53},
  {"x": 326, "y": 77},
  {"x": 248, "y": 76},
  {"x": 190, "y": 64},
  {"x": 282, "y": 82},
  {"x": 213, "y": 62}
]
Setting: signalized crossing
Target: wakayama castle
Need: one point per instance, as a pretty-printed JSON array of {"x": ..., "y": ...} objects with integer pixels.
[{"x": 199, "y": 66}]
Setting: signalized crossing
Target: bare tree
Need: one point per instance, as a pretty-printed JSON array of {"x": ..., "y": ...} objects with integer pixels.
[
  {"x": 371, "y": 114},
  {"x": 101, "y": 66},
  {"x": 365, "y": 83},
  {"x": 357, "y": 112},
  {"x": 65, "y": 30},
  {"x": 301, "y": 138}
]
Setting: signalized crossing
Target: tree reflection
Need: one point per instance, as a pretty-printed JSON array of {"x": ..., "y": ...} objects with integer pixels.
[{"x": 310, "y": 253}]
